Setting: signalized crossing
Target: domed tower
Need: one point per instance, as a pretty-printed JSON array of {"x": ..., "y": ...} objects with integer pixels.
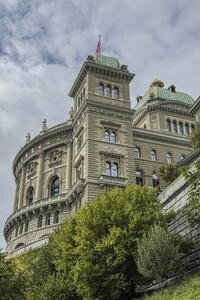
[
  {"x": 162, "y": 109},
  {"x": 62, "y": 168}
]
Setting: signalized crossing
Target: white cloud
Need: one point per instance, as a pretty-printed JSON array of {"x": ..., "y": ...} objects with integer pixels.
[{"x": 44, "y": 43}]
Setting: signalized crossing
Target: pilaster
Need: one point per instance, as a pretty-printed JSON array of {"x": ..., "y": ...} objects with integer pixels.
[
  {"x": 21, "y": 193},
  {"x": 40, "y": 176}
]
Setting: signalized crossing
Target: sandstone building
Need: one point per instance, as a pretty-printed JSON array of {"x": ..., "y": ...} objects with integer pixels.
[{"x": 103, "y": 144}]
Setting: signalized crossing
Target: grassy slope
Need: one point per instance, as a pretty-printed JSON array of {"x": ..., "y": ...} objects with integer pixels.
[{"x": 188, "y": 289}]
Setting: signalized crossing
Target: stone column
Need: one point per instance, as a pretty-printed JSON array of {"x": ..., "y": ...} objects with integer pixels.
[
  {"x": 21, "y": 191},
  {"x": 15, "y": 200},
  {"x": 40, "y": 176},
  {"x": 69, "y": 166}
]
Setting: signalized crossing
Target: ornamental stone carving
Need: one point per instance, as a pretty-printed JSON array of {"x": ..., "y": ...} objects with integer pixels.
[
  {"x": 31, "y": 169},
  {"x": 55, "y": 158}
]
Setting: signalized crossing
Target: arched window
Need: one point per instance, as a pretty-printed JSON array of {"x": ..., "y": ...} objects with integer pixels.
[
  {"x": 107, "y": 136},
  {"x": 115, "y": 170},
  {"x": 181, "y": 127},
  {"x": 26, "y": 226},
  {"x": 192, "y": 127},
  {"x": 155, "y": 180},
  {"x": 139, "y": 180},
  {"x": 55, "y": 187},
  {"x": 30, "y": 195},
  {"x": 182, "y": 156},
  {"x": 169, "y": 125},
  {"x": 116, "y": 92},
  {"x": 101, "y": 89},
  {"x": 175, "y": 126},
  {"x": 48, "y": 219},
  {"x": 187, "y": 129},
  {"x": 108, "y": 169},
  {"x": 113, "y": 137},
  {"x": 57, "y": 217},
  {"x": 169, "y": 158},
  {"x": 108, "y": 91},
  {"x": 153, "y": 155},
  {"x": 40, "y": 219},
  {"x": 137, "y": 152}
]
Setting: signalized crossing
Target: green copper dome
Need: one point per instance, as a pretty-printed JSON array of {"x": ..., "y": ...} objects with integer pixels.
[
  {"x": 165, "y": 94},
  {"x": 107, "y": 61}
]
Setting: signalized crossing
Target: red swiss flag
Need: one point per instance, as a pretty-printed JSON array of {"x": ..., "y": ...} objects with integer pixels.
[{"x": 98, "y": 47}]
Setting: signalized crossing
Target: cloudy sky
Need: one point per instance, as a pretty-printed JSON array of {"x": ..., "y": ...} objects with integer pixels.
[{"x": 43, "y": 44}]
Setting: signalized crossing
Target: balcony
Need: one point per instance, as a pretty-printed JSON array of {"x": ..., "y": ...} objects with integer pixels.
[{"x": 112, "y": 181}]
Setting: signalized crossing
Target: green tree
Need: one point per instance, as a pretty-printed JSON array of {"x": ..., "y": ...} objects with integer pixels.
[
  {"x": 192, "y": 174},
  {"x": 95, "y": 249},
  {"x": 168, "y": 172},
  {"x": 158, "y": 256},
  {"x": 195, "y": 137},
  {"x": 12, "y": 280}
]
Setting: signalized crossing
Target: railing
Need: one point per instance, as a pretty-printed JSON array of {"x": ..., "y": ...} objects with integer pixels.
[
  {"x": 104, "y": 179},
  {"x": 37, "y": 204}
]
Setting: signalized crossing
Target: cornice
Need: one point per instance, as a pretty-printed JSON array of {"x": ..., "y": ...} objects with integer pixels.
[
  {"x": 110, "y": 123},
  {"x": 37, "y": 141},
  {"x": 160, "y": 136},
  {"x": 163, "y": 106},
  {"x": 195, "y": 107},
  {"x": 89, "y": 66}
]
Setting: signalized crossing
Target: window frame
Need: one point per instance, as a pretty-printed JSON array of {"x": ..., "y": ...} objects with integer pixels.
[
  {"x": 187, "y": 130},
  {"x": 113, "y": 137},
  {"x": 169, "y": 158},
  {"x": 180, "y": 125},
  {"x": 139, "y": 178},
  {"x": 169, "y": 125},
  {"x": 155, "y": 181},
  {"x": 174, "y": 123},
  {"x": 108, "y": 169},
  {"x": 108, "y": 91},
  {"x": 55, "y": 187},
  {"x": 57, "y": 217},
  {"x": 115, "y": 170},
  {"x": 137, "y": 152},
  {"x": 101, "y": 90},
  {"x": 153, "y": 155},
  {"x": 116, "y": 93}
]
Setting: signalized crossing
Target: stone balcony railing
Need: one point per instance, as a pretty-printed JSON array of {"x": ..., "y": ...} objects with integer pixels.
[
  {"x": 39, "y": 205},
  {"x": 112, "y": 181}
]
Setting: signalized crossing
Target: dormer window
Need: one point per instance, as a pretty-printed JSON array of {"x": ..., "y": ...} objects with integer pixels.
[
  {"x": 172, "y": 88},
  {"x": 152, "y": 96}
]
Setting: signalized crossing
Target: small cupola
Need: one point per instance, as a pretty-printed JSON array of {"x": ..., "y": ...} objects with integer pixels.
[
  {"x": 172, "y": 88},
  {"x": 157, "y": 82}
]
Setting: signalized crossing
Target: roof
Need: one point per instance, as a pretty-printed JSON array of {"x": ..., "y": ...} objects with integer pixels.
[
  {"x": 157, "y": 92},
  {"x": 107, "y": 61}
]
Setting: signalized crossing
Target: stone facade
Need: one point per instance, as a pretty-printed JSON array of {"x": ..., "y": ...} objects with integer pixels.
[{"x": 104, "y": 144}]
